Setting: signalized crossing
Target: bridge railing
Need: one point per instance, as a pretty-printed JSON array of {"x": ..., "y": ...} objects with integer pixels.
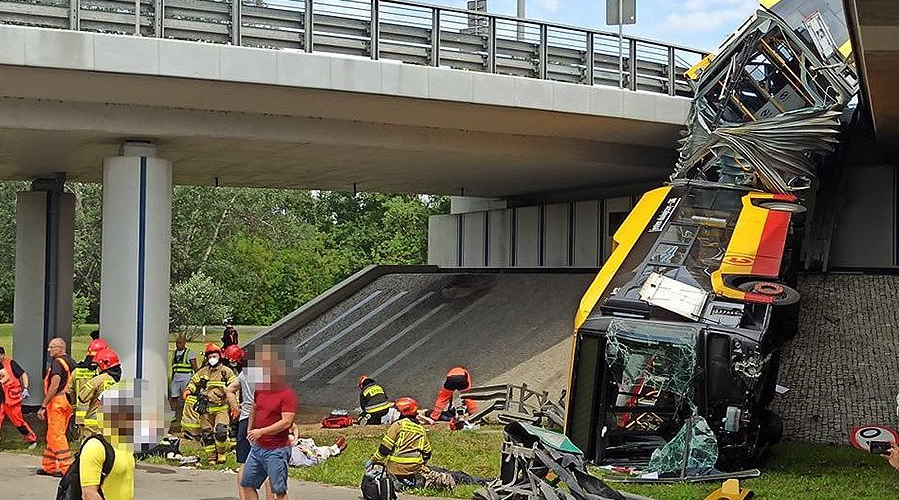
[{"x": 403, "y": 30}]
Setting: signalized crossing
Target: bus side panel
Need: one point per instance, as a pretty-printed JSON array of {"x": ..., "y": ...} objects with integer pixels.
[{"x": 584, "y": 393}]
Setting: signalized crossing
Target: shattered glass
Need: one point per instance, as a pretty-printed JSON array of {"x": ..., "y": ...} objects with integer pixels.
[
  {"x": 653, "y": 366},
  {"x": 695, "y": 441}
]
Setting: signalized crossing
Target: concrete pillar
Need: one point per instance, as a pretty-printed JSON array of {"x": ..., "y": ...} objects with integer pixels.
[
  {"x": 45, "y": 244},
  {"x": 467, "y": 204},
  {"x": 136, "y": 260}
]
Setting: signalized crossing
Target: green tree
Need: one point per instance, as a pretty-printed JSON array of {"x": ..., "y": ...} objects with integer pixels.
[{"x": 195, "y": 302}]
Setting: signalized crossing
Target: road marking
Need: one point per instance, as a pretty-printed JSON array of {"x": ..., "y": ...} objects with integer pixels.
[
  {"x": 389, "y": 342},
  {"x": 427, "y": 337},
  {"x": 352, "y": 327},
  {"x": 338, "y": 318},
  {"x": 367, "y": 336}
]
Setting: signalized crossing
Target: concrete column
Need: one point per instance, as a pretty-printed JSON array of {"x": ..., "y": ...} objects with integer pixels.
[
  {"x": 467, "y": 204},
  {"x": 136, "y": 260},
  {"x": 45, "y": 244}
]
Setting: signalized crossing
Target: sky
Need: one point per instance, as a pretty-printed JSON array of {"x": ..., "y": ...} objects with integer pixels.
[{"x": 700, "y": 24}]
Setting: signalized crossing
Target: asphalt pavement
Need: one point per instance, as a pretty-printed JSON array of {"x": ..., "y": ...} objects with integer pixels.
[{"x": 153, "y": 482}]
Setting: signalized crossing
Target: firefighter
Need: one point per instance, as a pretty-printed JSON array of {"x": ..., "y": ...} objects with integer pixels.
[
  {"x": 56, "y": 410},
  {"x": 184, "y": 365},
  {"x": 229, "y": 335},
  {"x": 82, "y": 374},
  {"x": 457, "y": 379},
  {"x": 373, "y": 401},
  {"x": 14, "y": 390},
  {"x": 404, "y": 449},
  {"x": 210, "y": 383},
  {"x": 110, "y": 369}
]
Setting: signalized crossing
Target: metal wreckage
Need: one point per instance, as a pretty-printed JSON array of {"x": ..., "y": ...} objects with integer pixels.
[{"x": 678, "y": 338}]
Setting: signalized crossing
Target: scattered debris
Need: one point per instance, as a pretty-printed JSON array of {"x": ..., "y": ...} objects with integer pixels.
[
  {"x": 516, "y": 403},
  {"x": 730, "y": 490}
]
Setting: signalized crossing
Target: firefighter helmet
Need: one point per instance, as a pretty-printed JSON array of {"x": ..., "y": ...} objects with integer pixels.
[
  {"x": 407, "y": 407},
  {"x": 212, "y": 349},
  {"x": 107, "y": 359},
  {"x": 234, "y": 353},
  {"x": 362, "y": 380},
  {"x": 97, "y": 346}
]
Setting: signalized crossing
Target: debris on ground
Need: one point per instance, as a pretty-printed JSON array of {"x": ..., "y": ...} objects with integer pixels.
[
  {"x": 516, "y": 403},
  {"x": 730, "y": 490}
]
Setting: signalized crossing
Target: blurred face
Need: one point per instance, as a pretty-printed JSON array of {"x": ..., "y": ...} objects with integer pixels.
[
  {"x": 271, "y": 365},
  {"x": 213, "y": 359},
  {"x": 180, "y": 343},
  {"x": 56, "y": 348}
]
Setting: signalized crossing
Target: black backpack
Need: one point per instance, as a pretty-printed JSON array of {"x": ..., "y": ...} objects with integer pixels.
[
  {"x": 377, "y": 485},
  {"x": 70, "y": 484}
]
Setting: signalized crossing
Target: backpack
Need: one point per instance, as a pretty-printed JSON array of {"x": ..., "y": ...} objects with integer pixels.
[
  {"x": 337, "y": 421},
  {"x": 376, "y": 485},
  {"x": 70, "y": 485}
]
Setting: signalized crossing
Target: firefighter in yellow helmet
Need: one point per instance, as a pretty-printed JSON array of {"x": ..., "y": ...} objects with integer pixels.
[
  {"x": 404, "y": 450},
  {"x": 209, "y": 383},
  {"x": 107, "y": 362}
]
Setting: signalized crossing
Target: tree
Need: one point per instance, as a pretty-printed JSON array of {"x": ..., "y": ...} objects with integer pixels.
[{"x": 196, "y": 302}]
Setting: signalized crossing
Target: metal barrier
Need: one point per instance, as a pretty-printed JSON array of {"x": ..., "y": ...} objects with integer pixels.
[{"x": 408, "y": 31}]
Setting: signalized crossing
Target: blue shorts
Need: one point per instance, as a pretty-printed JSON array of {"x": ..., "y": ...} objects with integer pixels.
[
  {"x": 263, "y": 463},
  {"x": 243, "y": 446}
]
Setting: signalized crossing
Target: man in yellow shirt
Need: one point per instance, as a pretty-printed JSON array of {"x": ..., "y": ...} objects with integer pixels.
[{"x": 121, "y": 413}]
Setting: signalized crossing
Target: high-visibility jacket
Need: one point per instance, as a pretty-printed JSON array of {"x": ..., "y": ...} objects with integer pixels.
[
  {"x": 12, "y": 388},
  {"x": 89, "y": 394},
  {"x": 217, "y": 379},
  {"x": 373, "y": 399},
  {"x": 80, "y": 377},
  {"x": 182, "y": 364},
  {"x": 404, "y": 449}
]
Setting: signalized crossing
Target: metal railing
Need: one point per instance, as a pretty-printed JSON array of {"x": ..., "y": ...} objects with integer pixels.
[{"x": 408, "y": 31}]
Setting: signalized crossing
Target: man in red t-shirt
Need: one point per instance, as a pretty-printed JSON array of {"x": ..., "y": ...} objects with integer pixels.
[{"x": 274, "y": 408}]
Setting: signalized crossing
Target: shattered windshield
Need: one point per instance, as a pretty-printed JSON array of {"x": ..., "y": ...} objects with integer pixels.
[{"x": 652, "y": 366}]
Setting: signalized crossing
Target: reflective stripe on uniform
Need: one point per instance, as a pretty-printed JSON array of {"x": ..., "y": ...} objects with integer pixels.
[{"x": 183, "y": 365}]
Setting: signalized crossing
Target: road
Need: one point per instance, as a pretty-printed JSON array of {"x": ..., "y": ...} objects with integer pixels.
[{"x": 152, "y": 482}]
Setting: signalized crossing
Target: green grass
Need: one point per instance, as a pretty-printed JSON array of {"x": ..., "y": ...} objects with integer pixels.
[{"x": 794, "y": 471}]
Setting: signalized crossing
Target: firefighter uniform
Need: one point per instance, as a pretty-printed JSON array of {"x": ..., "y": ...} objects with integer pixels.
[
  {"x": 57, "y": 455},
  {"x": 404, "y": 449},
  {"x": 11, "y": 406},
  {"x": 210, "y": 383},
  {"x": 373, "y": 401},
  {"x": 89, "y": 395},
  {"x": 81, "y": 375}
]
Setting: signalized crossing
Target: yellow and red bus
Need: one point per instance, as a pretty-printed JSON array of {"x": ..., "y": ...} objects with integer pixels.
[{"x": 646, "y": 358}]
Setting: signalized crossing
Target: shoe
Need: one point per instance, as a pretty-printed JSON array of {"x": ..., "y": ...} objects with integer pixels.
[
  {"x": 32, "y": 446},
  {"x": 42, "y": 472},
  {"x": 340, "y": 443}
]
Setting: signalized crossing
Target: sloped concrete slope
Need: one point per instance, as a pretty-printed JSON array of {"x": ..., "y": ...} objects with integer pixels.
[{"x": 406, "y": 330}]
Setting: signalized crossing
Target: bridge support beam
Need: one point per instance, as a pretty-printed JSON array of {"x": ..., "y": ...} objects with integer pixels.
[
  {"x": 136, "y": 260},
  {"x": 45, "y": 244}
]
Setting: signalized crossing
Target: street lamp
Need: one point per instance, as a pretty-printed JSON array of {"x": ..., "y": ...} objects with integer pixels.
[{"x": 621, "y": 12}]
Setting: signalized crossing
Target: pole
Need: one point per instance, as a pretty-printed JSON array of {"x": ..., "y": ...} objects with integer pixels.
[
  {"x": 521, "y": 15},
  {"x": 620, "y": 44}
]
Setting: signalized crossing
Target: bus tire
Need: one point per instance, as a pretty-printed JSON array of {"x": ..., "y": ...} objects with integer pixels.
[
  {"x": 783, "y": 295},
  {"x": 783, "y": 206}
]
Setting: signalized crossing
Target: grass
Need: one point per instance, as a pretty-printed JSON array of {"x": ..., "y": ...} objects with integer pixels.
[{"x": 794, "y": 471}]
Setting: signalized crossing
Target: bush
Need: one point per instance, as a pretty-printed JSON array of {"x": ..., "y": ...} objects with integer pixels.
[{"x": 195, "y": 302}]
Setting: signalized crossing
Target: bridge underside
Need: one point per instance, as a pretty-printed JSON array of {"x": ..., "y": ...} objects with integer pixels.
[{"x": 268, "y": 136}]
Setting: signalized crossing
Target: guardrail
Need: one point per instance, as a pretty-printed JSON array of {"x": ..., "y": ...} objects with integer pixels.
[{"x": 408, "y": 31}]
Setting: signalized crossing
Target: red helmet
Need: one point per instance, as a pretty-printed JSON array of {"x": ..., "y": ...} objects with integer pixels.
[
  {"x": 362, "y": 380},
  {"x": 408, "y": 407},
  {"x": 234, "y": 353},
  {"x": 97, "y": 346},
  {"x": 107, "y": 359},
  {"x": 212, "y": 349}
]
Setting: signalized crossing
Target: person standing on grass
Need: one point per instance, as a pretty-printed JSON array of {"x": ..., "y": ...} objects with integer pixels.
[
  {"x": 184, "y": 365},
  {"x": 14, "y": 390},
  {"x": 57, "y": 410},
  {"x": 273, "y": 412}
]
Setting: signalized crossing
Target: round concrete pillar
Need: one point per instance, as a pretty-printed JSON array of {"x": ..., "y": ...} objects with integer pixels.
[{"x": 136, "y": 260}]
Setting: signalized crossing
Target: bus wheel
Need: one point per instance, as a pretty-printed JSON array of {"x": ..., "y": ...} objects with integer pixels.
[
  {"x": 783, "y": 206},
  {"x": 782, "y": 294}
]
